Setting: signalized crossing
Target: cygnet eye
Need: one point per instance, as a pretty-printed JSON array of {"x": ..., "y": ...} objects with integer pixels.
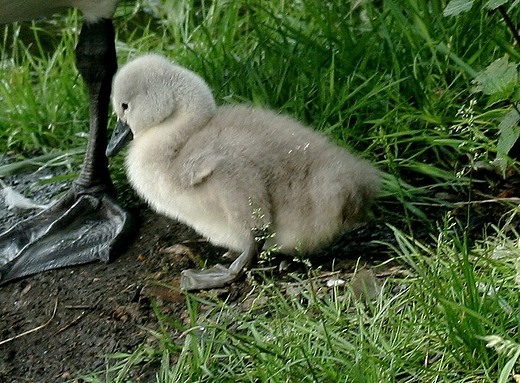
[{"x": 124, "y": 105}]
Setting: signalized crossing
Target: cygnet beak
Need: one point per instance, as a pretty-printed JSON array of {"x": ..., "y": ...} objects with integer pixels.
[{"x": 122, "y": 135}]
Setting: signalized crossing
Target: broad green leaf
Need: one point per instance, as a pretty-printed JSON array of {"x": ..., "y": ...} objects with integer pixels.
[
  {"x": 494, "y": 4},
  {"x": 509, "y": 133},
  {"x": 456, "y": 7},
  {"x": 499, "y": 80}
]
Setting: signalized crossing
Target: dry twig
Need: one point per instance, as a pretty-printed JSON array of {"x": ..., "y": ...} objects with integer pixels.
[{"x": 34, "y": 329}]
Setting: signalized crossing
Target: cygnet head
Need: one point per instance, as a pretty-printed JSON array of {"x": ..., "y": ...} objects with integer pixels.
[{"x": 151, "y": 89}]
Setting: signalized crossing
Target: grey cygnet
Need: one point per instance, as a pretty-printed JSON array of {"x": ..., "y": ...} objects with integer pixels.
[{"x": 234, "y": 173}]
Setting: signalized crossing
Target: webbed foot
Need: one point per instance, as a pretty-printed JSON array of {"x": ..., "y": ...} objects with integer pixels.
[
  {"x": 80, "y": 228},
  {"x": 218, "y": 275},
  {"x": 86, "y": 224}
]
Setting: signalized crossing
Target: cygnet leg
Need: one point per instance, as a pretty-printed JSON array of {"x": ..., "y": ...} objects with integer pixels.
[
  {"x": 218, "y": 275},
  {"x": 86, "y": 224}
]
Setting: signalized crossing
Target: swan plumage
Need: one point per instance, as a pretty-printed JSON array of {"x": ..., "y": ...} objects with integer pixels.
[
  {"x": 228, "y": 170},
  {"x": 16, "y": 10}
]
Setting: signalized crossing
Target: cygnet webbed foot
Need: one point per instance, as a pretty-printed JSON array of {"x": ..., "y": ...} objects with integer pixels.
[
  {"x": 79, "y": 228},
  {"x": 220, "y": 276}
]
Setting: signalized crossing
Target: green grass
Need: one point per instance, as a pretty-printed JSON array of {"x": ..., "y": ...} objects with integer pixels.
[
  {"x": 393, "y": 81},
  {"x": 430, "y": 323},
  {"x": 43, "y": 99}
]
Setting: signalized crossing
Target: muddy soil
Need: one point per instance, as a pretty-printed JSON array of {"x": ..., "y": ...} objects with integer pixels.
[
  {"x": 65, "y": 321},
  {"x": 77, "y": 315}
]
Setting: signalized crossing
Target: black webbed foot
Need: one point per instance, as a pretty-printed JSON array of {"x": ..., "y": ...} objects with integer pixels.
[
  {"x": 86, "y": 224},
  {"x": 220, "y": 276},
  {"x": 78, "y": 229}
]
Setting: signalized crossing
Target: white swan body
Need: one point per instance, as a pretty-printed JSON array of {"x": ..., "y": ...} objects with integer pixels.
[
  {"x": 19, "y": 10},
  {"x": 228, "y": 170}
]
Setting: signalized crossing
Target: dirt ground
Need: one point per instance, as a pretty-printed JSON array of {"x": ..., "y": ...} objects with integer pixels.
[
  {"x": 62, "y": 323},
  {"x": 79, "y": 314}
]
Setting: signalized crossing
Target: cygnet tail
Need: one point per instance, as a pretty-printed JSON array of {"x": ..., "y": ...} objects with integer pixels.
[{"x": 361, "y": 197}]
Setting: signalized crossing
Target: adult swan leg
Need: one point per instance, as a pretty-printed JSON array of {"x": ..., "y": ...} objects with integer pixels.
[{"x": 86, "y": 224}]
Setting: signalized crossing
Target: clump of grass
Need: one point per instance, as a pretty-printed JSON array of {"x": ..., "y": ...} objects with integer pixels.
[
  {"x": 469, "y": 291},
  {"x": 378, "y": 78},
  {"x": 43, "y": 98},
  {"x": 385, "y": 79}
]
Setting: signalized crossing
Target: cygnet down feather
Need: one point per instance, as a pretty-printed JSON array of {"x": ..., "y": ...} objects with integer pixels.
[{"x": 233, "y": 173}]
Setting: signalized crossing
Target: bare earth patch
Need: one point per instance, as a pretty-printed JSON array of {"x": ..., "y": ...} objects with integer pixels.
[{"x": 77, "y": 315}]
